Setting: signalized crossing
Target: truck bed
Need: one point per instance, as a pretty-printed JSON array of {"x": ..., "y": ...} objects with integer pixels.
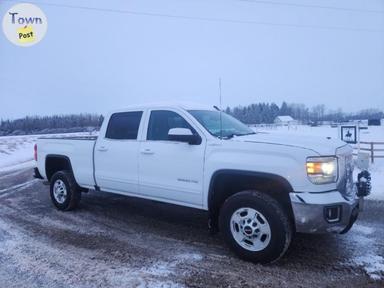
[
  {"x": 90, "y": 138},
  {"x": 78, "y": 149}
]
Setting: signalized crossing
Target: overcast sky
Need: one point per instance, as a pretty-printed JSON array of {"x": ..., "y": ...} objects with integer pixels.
[{"x": 129, "y": 52}]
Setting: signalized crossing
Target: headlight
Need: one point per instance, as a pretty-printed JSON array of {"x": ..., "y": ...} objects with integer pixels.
[{"x": 322, "y": 170}]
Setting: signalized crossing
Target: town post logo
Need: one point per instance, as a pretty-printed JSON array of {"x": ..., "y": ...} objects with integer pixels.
[{"x": 25, "y": 24}]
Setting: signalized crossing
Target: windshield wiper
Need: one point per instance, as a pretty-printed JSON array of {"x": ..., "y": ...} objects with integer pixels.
[
  {"x": 250, "y": 133},
  {"x": 234, "y": 134}
]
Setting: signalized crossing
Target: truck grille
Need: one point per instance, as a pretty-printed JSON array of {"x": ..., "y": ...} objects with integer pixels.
[{"x": 345, "y": 184}]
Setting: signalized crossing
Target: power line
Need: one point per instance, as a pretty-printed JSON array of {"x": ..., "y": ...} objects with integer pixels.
[
  {"x": 313, "y": 6},
  {"x": 207, "y": 19}
]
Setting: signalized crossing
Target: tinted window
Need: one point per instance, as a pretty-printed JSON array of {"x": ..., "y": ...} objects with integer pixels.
[
  {"x": 161, "y": 121},
  {"x": 124, "y": 125}
]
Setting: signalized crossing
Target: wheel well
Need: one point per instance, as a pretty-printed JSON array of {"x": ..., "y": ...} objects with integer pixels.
[
  {"x": 55, "y": 163},
  {"x": 227, "y": 183}
]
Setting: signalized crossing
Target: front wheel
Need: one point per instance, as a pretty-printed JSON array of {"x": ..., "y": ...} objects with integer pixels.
[
  {"x": 255, "y": 227},
  {"x": 65, "y": 193}
]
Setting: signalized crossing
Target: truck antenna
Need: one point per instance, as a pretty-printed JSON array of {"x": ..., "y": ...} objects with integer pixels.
[{"x": 221, "y": 109}]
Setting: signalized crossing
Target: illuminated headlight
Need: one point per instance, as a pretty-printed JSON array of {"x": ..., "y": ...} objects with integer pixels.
[{"x": 322, "y": 170}]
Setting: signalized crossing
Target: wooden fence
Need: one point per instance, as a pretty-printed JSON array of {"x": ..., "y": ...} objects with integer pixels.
[{"x": 372, "y": 148}]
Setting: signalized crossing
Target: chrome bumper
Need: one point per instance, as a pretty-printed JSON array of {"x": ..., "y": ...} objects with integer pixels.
[{"x": 324, "y": 212}]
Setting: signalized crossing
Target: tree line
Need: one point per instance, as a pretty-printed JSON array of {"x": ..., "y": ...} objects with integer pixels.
[
  {"x": 265, "y": 113},
  {"x": 256, "y": 113},
  {"x": 51, "y": 124}
]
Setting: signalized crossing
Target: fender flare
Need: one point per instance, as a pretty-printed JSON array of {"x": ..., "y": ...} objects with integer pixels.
[
  {"x": 270, "y": 176},
  {"x": 57, "y": 156}
]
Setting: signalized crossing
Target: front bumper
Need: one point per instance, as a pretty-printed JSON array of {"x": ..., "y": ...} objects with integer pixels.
[{"x": 324, "y": 212}]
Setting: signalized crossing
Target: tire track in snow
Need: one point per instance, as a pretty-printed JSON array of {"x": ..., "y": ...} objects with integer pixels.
[
  {"x": 156, "y": 273},
  {"x": 27, "y": 164},
  {"x": 12, "y": 173},
  {"x": 16, "y": 188}
]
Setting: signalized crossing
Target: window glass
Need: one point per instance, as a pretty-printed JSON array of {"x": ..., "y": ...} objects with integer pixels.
[
  {"x": 161, "y": 121},
  {"x": 220, "y": 124},
  {"x": 124, "y": 125}
]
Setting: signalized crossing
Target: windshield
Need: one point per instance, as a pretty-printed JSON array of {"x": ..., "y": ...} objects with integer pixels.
[{"x": 229, "y": 125}]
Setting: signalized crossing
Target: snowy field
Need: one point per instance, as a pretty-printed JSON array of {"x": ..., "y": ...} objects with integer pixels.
[
  {"x": 372, "y": 134},
  {"x": 16, "y": 152}
]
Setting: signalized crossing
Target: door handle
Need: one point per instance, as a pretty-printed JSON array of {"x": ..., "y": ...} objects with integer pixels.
[
  {"x": 147, "y": 151},
  {"x": 102, "y": 149}
]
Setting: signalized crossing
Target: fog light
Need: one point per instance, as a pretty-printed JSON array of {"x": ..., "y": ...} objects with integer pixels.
[{"x": 332, "y": 214}]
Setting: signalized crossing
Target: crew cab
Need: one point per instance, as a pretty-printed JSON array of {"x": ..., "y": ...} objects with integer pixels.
[{"x": 258, "y": 188}]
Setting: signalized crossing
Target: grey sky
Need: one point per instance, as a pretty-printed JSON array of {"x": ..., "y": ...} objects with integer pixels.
[{"x": 93, "y": 60}]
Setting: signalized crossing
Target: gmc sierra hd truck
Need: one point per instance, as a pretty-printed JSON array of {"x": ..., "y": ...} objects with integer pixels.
[{"x": 258, "y": 188}]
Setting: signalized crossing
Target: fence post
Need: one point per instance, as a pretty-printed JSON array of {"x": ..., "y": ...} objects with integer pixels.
[{"x": 372, "y": 156}]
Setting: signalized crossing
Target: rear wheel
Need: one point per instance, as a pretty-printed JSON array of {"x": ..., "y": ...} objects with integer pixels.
[
  {"x": 255, "y": 227},
  {"x": 64, "y": 191}
]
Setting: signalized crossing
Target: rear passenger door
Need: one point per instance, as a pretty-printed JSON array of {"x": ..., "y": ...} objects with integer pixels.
[{"x": 116, "y": 153}]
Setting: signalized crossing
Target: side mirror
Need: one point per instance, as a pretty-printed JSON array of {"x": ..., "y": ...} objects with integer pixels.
[{"x": 183, "y": 135}]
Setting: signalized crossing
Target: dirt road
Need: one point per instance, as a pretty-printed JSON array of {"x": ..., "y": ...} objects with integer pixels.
[{"x": 118, "y": 241}]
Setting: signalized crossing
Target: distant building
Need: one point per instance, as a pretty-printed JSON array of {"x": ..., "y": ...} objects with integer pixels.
[
  {"x": 285, "y": 120},
  {"x": 374, "y": 122}
]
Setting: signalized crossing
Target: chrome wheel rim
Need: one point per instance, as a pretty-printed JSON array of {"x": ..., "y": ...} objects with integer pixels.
[
  {"x": 250, "y": 229},
  {"x": 59, "y": 191}
]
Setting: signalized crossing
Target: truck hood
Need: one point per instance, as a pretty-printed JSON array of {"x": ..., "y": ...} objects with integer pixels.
[{"x": 318, "y": 144}]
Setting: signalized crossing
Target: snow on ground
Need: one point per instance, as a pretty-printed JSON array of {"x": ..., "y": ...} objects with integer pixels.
[
  {"x": 16, "y": 152},
  {"x": 371, "y": 261},
  {"x": 16, "y": 243},
  {"x": 373, "y": 133},
  {"x": 377, "y": 174}
]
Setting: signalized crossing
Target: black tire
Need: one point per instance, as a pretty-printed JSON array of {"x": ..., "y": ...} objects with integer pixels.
[
  {"x": 280, "y": 227},
  {"x": 73, "y": 193}
]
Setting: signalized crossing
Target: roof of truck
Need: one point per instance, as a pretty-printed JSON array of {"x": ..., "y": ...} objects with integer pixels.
[{"x": 182, "y": 105}]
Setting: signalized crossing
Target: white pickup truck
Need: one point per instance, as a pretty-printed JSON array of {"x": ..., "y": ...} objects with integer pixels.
[{"x": 259, "y": 188}]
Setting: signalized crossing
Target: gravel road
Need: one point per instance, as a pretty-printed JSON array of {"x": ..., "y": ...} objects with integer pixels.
[{"x": 117, "y": 241}]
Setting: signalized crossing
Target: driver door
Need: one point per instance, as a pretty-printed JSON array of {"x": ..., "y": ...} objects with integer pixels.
[{"x": 170, "y": 170}]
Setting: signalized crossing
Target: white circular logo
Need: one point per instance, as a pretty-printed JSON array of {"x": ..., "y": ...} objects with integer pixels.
[{"x": 25, "y": 24}]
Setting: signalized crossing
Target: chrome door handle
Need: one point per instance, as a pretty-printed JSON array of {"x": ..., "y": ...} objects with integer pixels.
[
  {"x": 102, "y": 149},
  {"x": 147, "y": 152}
]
